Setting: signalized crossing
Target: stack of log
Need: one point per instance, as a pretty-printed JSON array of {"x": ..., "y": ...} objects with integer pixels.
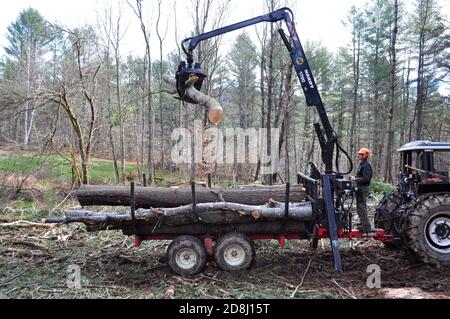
[
  {"x": 147, "y": 197},
  {"x": 159, "y": 208}
]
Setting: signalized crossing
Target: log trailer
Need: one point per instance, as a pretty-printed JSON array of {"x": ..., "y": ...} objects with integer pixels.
[{"x": 225, "y": 229}]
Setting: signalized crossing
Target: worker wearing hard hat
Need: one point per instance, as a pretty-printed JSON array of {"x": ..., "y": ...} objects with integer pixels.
[{"x": 362, "y": 179}]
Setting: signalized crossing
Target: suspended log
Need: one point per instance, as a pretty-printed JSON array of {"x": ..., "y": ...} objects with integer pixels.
[
  {"x": 147, "y": 197},
  {"x": 220, "y": 213},
  {"x": 215, "y": 111}
]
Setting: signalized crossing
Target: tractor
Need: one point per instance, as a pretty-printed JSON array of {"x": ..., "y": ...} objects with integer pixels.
[{"x": 417, "y": 213}]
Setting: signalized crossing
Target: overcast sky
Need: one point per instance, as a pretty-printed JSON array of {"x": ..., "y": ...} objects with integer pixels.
[{"x": 315, "y": 19}]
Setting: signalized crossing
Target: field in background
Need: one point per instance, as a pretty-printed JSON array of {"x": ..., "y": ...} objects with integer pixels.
[{"x": 36, "y": 183}]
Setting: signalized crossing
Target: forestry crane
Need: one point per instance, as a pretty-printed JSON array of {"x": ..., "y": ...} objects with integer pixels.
[{"x": 331, "y": 181}]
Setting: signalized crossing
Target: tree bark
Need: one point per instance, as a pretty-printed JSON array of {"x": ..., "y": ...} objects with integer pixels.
[
  {"x": 147, "y": 197},
  {"x": 209, "y": 218},
  {"x": 392, "y": 96},
  {"x": 151, "y": 117},
  {"x": 421, "y": 86}
]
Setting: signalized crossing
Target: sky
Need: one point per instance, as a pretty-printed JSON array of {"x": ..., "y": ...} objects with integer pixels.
[{"x": 318, "y": 20}]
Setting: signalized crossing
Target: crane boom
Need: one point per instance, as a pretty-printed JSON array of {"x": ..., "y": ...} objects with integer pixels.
[{"x": 326, "y": 136}]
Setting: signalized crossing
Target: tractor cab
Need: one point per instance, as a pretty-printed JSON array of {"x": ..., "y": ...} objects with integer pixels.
[{"x": 424, "y": 167}]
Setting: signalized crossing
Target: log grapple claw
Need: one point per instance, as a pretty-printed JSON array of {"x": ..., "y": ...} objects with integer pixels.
[{"x": 186, "y": 73}]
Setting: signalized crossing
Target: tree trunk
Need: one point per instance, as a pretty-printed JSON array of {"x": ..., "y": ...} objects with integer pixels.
[
  {"x": 392, "y": 86},
  {"x": 161, "y": 40},
  {"x": 268, "y": 178},
  {"x": 147, "y": 197},
  {"x": 356, "y": 58},
  {"x": 405, "y": 103},
  {"x": 206, "y": 213},
  {"x": 151, "y": 118},
  {"x": 421, "y": 86}
]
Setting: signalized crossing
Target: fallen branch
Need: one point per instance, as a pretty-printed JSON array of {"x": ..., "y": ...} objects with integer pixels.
[
  {"x": 9, "y": 280},
  {"x": 301, "y": 282},
  {"x": 25, "y": 224},
  {"x": 345, "y": 290},
  {"x": 30, "y": 244}
]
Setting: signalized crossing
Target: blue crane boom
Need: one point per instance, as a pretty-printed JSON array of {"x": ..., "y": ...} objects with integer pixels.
[{"x": 326, "y": 135}]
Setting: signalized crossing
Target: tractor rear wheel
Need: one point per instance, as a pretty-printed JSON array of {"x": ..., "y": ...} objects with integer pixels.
[
  {"x": 427, "y": 228},
  {"x": 385, "y": 213}
]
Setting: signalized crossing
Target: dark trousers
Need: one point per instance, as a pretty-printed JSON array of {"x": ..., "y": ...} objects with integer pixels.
[{"x": 361, "y": 205}]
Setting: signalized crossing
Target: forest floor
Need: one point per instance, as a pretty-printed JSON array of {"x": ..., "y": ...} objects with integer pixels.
[
  {"x": 36, "y": 259},
  {"x": 35, "y": 262}
]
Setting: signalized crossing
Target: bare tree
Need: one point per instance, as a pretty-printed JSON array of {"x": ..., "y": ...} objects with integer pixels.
[
  {"x": 392, "y": 95},
  {"x": 151, "y": 118},
  {"x": 86, "y": 85},
  {"x": 106, "y": 26},
  {"x": 115, "y": 35},
  {"x": 161, "y": 37}
]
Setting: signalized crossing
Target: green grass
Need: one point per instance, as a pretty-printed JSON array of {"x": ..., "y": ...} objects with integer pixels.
[
  {"x": 56, "y": 167},
  {"x": 52, "y": 169}
]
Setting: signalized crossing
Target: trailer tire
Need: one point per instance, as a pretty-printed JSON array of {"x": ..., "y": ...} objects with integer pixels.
[
  {"x": 186, "y": 255},
  {"x": 234, "y": 252},
  {"x": 427, "y": 229}
]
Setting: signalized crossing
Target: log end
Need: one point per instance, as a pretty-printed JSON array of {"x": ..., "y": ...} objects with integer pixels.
[{"x": 215, "y": 114}]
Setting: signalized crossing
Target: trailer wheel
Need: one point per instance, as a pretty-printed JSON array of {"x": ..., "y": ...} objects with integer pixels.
[
  {"x": 186, "y": 255},
  {"x": 234, "y": 252},
  {"x": 427, "y": 229}
]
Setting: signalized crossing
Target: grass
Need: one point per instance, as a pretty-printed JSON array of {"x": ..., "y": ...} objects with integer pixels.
[
  {"x": 57, "y": 168},
  {"x": 54, "y": 168}
]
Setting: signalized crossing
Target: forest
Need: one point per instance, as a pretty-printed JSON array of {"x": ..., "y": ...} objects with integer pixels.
[
  {"x": 72, "y": 92},
  {"x": 82, "y": 116}
]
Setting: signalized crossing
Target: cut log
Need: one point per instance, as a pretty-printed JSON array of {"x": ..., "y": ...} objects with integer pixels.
[
  {"x": 147, "y": 197},
  {"x": 215, "y": 111},
  {"x": 220, "y": 213}
]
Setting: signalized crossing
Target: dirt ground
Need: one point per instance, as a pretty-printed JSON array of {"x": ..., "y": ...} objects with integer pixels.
[{"x": 34, "y": 263}]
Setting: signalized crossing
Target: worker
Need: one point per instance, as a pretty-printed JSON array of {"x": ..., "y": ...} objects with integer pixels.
[{"x": 362, "y": 179}]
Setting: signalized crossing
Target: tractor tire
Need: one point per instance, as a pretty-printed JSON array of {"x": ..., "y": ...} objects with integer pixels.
[
  {"x": 385, "y": 213},
  {"x": 234, "y": 252},
  {"x": 186, "y": 255},
  {"x": 427, "y": 229}
]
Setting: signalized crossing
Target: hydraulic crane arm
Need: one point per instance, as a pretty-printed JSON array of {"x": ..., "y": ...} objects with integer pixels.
[
  {"x": 328, "y": 140},
  {"x": 326, "y": 136}
]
